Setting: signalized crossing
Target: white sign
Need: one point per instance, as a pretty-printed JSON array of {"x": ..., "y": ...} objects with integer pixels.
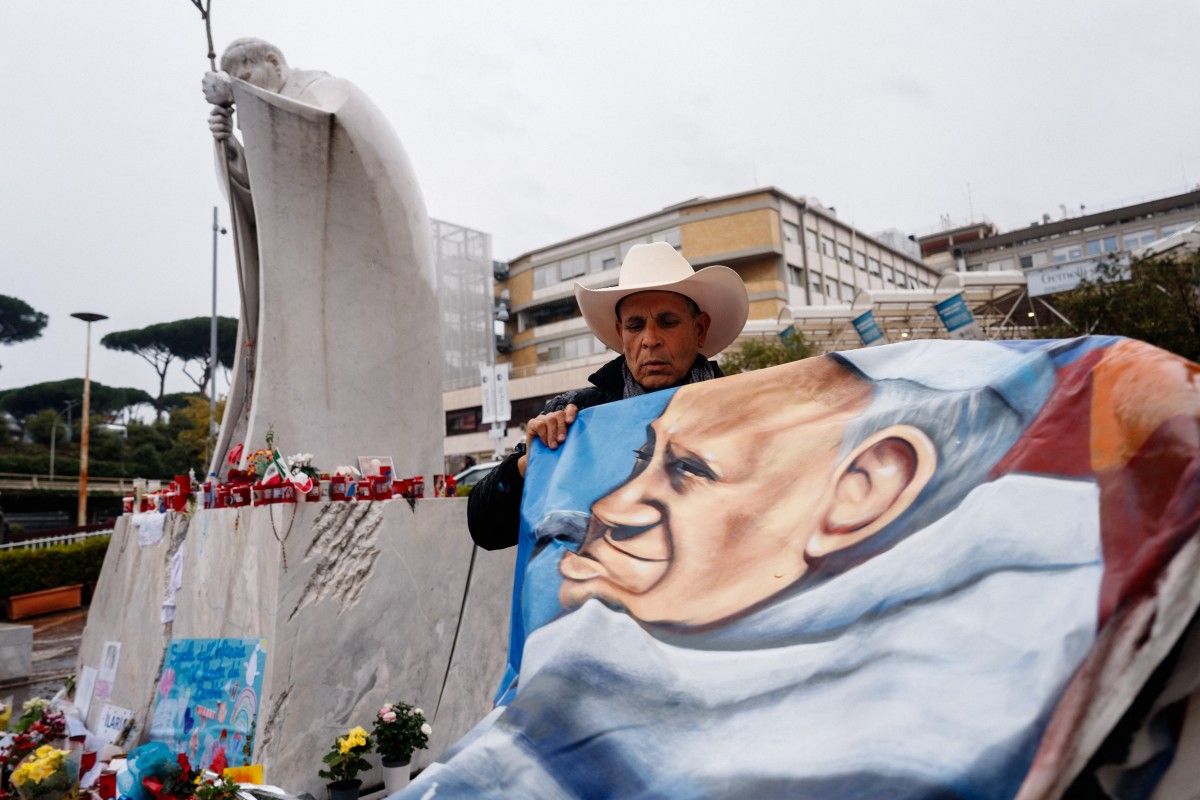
[
  {"x": 107, "y": 674},
  {"x": 83, "y": 690},
  {"x": 1065, "y": 277},
  {"x": 500, "y": 385},
  {"x": 493, "y": 386},
  {"x": 113, "y": 720},
  {"x": 489, "y": 396}
]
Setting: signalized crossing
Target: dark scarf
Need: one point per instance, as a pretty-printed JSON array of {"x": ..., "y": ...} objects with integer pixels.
[{"x": 701, "y": 370}]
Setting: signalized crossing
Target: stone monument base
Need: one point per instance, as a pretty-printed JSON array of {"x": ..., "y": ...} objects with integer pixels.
[{"x": 359, "y": 604}]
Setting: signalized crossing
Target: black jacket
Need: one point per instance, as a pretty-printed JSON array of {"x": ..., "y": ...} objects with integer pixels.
[{"x": 494, "y": 505}]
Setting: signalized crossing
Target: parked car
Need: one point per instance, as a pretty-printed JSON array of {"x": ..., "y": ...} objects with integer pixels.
[{"x": 473, "y": 475}]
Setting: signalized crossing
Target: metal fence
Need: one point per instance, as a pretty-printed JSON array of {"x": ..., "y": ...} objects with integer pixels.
[{"x": 52, "y": 541}]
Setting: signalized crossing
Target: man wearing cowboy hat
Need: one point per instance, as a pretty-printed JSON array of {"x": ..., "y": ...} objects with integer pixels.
[{"x": 666, "y": 320}]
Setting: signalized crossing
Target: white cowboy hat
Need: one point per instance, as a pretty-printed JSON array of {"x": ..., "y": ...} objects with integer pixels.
[{"x": 717, "y": 290}]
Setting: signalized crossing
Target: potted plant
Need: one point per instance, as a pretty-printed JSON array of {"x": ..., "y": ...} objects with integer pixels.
[
  {"x": 399, "y": 730},
  {"x": 345, "y": 760}
]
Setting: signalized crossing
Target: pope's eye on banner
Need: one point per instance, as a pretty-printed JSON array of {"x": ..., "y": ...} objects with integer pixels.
[{"x": 940, "y": 568}]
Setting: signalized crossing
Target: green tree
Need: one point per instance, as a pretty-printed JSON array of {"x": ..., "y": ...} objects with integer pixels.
[
  {"x": 107, "y": 401},
  {"x": 759, "y": 353},
  {"x": 39, "y": 425},
  {"x": 186, "y": 340},
  {"x": 19, "y": 322},
  {"x": 1159, "y": 303}
]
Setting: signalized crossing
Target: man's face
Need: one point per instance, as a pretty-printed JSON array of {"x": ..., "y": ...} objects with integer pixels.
[
  {"x": 733, "y": 479},
  {"x": 264, "y": 73},
  {"x": 660, "y": 337}
]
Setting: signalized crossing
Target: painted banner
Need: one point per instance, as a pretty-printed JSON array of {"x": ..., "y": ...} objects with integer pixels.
[
  {"x": 208, "y": 698},
  {"x": 922, "y": 570}
]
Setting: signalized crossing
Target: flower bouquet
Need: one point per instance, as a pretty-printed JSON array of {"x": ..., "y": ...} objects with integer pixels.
[
  {"x": 173, "y": 783},
  {"x": 399, "y": 730},
  {"x": 345, "y": 761},
  {"x": 47, "y": 774},
  {"x": 39, "y": 724}
]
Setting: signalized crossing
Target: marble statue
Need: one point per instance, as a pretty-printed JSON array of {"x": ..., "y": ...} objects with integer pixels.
[{"x": 339, "y": 340}]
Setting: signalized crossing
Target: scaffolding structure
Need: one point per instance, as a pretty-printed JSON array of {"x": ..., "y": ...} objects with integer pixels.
[
  {"x": 999, "y": 301},
  {"x": 463, "y": 260}
]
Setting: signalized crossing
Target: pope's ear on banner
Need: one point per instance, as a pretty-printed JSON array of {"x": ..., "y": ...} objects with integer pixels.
[{"x": 876, "y": 483}]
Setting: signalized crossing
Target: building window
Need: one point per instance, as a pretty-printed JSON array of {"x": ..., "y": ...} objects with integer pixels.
[
  {"x": 630, "y": 243},
  {"x": 600, "y": 260},
  {"x": 843, "y": 254},
  {"x": 1176, "y": 228},
  {"x": 874, "y": 268},
  {"x": 464, "y": 420},
  {"x": 1106, "y": 245},
  {"x": 1137, "y": 239},
  {"x": 1071, "y": 252},
  {"x": 1033, "y": 260},
  {"x": 848, "y": 293},
  {"x": 546, "y": 275},
  {"x": 579, "y": 346},
  {"x": 795, "y": 275},
  {"x": 572, "y": 267},
  {"x": 791, "y": 233},
  {"x": 827, "y": 246},
  {"x": 815, "y": 285},
  {"x": 810, "y": 238},
  {"x": 552, "y": 312},
  {"x": 1000, "y": 264},
  {"x": 860, "y": 260},
  {"x": 831, "y": 288},
  {"x": 670, "y": 236}
]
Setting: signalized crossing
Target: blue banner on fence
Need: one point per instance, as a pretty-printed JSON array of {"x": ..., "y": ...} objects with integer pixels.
[
  {"x": 868, "y": 329},
  {"x": 956, "y": 317}
]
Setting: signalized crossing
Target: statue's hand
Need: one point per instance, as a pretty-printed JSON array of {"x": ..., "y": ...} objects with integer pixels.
[
  {"x": 218, "y": 88},
  {"x": 220, "y": 123}
]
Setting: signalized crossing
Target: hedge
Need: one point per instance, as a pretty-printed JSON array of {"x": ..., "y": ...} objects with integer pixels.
[{"x": 24, "y": 571}]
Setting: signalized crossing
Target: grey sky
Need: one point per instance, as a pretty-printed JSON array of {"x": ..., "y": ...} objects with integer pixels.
[{"x": 538, "y": 121}]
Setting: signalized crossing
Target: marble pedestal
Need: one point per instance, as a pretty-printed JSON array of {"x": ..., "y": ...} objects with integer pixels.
[{"x": 360, "y": 604}]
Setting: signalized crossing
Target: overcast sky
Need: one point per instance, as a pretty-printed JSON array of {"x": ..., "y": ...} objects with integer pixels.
[{"x": 538, "y": 121}]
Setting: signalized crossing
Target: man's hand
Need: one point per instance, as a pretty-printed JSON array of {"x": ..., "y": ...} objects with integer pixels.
[
  {"x": 220, "y": 123},
  {"x": 218, "y": 88},
  {"x": 550, "y": 428}
]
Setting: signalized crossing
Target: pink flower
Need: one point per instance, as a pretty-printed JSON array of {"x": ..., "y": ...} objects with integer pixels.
[
  {"x": 384, "y": 710},
  {"x": 388, "y": 716}
]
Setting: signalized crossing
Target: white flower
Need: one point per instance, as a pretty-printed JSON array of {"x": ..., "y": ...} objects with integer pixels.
[
  {"x": 425, "y": 729},
  {"x": 418, "y": 712}
]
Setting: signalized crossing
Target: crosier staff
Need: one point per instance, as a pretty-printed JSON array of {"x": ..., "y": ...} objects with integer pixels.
[{"x": 205, "y": 9}]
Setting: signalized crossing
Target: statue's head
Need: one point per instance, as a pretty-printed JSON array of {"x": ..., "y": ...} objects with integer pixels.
[{"x": 257, "y": 62}]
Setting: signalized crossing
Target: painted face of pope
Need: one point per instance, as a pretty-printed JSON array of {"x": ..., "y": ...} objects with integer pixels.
[{"x": 739, "y": 483}]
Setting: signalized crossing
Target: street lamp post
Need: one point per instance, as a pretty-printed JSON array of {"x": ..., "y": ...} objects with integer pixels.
[
  {"x": 85, "y": 414},
  {"x": 69, "y": 404}
]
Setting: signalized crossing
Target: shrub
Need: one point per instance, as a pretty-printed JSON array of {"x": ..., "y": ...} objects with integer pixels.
[{"x": 24, "y": 571}]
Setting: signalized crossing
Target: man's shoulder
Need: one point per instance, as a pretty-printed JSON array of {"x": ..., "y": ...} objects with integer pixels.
[
  {"x": 583, "y": 398},
  {"x": 607, "y": 386}
]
